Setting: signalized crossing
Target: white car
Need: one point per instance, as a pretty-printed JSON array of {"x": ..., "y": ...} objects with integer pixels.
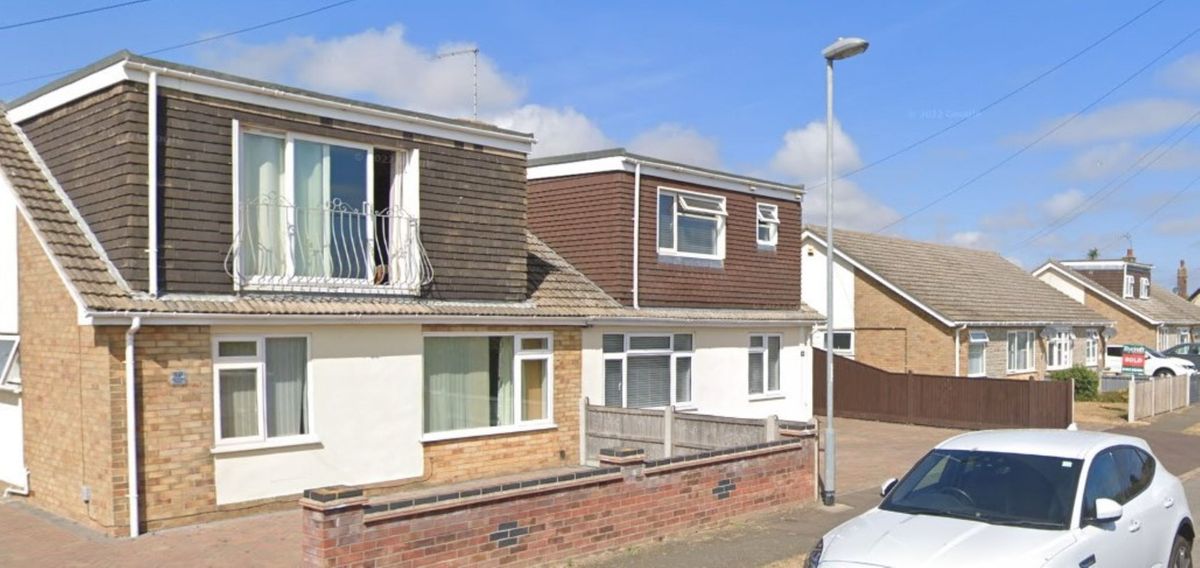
[
  {"x": 1157, "y": 364},
  {"x": 1015, "y": 498}
]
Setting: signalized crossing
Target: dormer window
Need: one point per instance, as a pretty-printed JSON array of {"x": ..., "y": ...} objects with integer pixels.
[
  {"x": 691, "y": 224},
  {"x": 1128, "y": 292},
  {"x": 1145, "y": 291},
  {"x": 768, "y": 224}
]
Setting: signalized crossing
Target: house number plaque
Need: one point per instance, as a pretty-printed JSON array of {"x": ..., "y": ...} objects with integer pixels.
[{"x": 178, "y": 378}]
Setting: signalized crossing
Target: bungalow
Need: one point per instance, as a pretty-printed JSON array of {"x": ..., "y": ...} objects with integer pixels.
[
  {"x": 905, "y": 305},
  {"x": 1122, "y": 290}
]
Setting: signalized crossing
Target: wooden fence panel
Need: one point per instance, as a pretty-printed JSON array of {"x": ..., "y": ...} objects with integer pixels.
[{"x": 863, "y": 391}]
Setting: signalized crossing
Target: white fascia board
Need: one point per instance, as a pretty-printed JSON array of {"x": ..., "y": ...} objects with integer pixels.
[
  {"x": 267, "y": 97},
  {"x": 1105, "y": 294},
  {"x": 159, "y": 318},
  {"x": 664, "y": 171},
  {"x": 694, "y": 322},
  {"x": 1104, "y": 264},
  {"x": 858, "y": 266}
]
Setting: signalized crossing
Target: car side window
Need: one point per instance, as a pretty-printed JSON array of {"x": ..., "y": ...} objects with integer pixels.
[
  {"x": 1115, "y": 351},
  {"x": 1137, "y": 471},
  {"x": 1103, "y": 482}
]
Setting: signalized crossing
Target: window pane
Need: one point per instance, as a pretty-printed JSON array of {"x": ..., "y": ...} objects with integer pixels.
[
  {"x": 698, "y": 204},
  {"x": 764, "y": 233},
  {"x": 263, "y": 249},
  {"x": 756, "y": 341},
  {"x": 756, "y": 373},
  {"x": 612, "y": 382},
  {"x": 650, "y": 342},
  {"x": 237, "y": 349},
  {"x": 286, "y": 385},
  {"x": 614, "y": 343},
  {"x": 975, "y": 359},
  {"x": 348, "y": 224},
  {"x": 666, "y": 221},
  {"x": 842, "y": 340},
  {"x": 239, "y": 403},
  {"x": 773, "y": 363},
  {"x": 683, "y": 342},
  {"x": 468, "y": 382},
  {"x": 683, "y": 379},
  {"x": 310, "y": 178},
  {"x": 7, "y": 346},
  {"x": 649, "y": 381},
  {"x": 534, "y": 344},
  {"x": 697, "y": 235},
  {"x": 534, "y": 392}
]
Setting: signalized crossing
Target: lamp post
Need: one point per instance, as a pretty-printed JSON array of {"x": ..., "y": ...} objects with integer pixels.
[{"x": 843, "y": 48}]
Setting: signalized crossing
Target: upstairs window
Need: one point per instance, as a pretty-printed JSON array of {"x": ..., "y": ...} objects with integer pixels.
[
  {"x": 691, "y": 224},
  {"x": 768, "y": 224},
  {"x": 1145, "y": 291},
  {"x": 1128, "y": 291}
]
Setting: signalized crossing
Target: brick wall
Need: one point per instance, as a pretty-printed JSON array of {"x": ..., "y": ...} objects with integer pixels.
[
  {"x": 484, "y": 456},
  {"x": 895, "y": 336},
  {"x": 546, "y": 521}
]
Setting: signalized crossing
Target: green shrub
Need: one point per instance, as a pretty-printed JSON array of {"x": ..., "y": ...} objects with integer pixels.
[{"x": 1087, "y": 381}]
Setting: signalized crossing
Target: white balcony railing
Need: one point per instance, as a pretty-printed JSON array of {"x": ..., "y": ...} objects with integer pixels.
[{"x": 332, "y": 248}]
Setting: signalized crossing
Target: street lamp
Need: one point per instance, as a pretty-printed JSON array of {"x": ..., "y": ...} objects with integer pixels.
[{"x": 843, "y": 48}]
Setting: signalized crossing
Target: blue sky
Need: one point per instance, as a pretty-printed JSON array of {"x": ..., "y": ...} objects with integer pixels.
[{"x": 740, "y": 86}]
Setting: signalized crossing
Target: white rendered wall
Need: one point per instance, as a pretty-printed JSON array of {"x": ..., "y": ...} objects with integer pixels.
[
  {"x": 366, "y": 412},
  {"x": 720, "y": 371},
  {"x": 812, "y": 285},
  {"x": 1071, "y": 289},
  {"x": 12, "y": 458}
]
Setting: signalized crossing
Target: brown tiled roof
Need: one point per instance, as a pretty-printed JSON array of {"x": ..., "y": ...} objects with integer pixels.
[
  {"x": 1162, "y": 305},
  {"x": 555, "y": 288},
  {"x": 962, "y": 285}
]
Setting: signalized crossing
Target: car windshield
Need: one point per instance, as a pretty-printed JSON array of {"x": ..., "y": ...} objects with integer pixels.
[{"x": 990, "y": 487}]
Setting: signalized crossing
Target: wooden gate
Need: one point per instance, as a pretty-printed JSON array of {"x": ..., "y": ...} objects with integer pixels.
[{"x": 870, "y": 393}]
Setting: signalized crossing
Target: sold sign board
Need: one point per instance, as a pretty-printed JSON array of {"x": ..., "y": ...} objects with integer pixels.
[{"x": 1133, "y": 360}]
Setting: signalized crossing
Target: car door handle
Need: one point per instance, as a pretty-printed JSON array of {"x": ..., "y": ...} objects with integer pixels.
[
  {"x": 1135, "y": 526},
  {"x": 1168, "y": 503}
]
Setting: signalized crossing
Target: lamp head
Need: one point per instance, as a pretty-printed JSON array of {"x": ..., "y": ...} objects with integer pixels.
[{"x": 845, "y": 48}]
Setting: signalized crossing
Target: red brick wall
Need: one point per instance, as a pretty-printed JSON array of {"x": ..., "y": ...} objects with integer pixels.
[{"x": 553, "y": 522}]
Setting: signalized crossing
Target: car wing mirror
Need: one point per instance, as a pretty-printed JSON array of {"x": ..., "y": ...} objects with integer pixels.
[
  {"x": 1107, "y": 511},
  {"x": 887, "y": 487}
]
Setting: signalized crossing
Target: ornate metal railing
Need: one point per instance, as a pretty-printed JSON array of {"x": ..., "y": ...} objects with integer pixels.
[{"x": 331, "y": 248}]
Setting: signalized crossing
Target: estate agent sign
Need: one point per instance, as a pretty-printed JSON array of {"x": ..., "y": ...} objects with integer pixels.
[{"x": 1133, "y": 360}]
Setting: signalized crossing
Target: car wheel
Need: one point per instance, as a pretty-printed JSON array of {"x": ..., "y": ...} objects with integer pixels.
[
  {"x": 1181, "y": 553},
  {"x": 1164, "y": 372}
]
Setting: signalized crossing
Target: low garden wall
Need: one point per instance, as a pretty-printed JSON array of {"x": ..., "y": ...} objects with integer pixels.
[{"x": 552, "y": 516}]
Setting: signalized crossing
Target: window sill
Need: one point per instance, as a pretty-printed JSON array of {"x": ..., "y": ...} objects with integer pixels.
[
  {"x": 489, "y": 431},
  {"x": 269, "y": 444},
  {"x": 691, "y": 260},
  {"x": 1019, "y": 371},
  {"x": 8, "y": 387},
  {"x": 767, "y": 396}
]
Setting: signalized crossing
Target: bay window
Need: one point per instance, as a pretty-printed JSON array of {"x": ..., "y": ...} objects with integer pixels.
[
  {"x": 647, "y": 370},
  {"x": 764, "y": 364},
  {"x": 691, "y": 224},
  {"x": 768, "y": 224},
  {"x": 261, "y": 388},
  {"x": 480, "y": 382},
  {"x": 977, "y": 342},
  {"x": 1020, "y": 351},
  {"x": 1059, "y": 349}
]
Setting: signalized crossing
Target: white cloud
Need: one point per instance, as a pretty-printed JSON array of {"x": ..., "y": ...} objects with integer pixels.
[
  {"x": 802, "y": 155},
  {"x": 1099, "y": 161},
  {"x": 678, "y": 143},
  {"x": 377, "y": 64},
  {"x": 971, "y": 239},
  {"x": 853, "y": 208},
  {"x": 558, "y": 131},
  {"x": 1178, "y": 226},
  {"x": 1063, "y": 202},
  {"x": 1130, "y": 119},
  {"x": 1183, "y": 73}
]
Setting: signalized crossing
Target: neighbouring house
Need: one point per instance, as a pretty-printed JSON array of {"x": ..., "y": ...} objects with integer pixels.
[
  {"x": 707, "y": 264},
  {"x": 226, "y": 292},
  {"x": 1122, "y": 290},
  {"x": 904, "y": 305}
]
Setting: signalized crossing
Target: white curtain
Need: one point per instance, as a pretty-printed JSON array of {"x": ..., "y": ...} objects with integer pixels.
[
  {"x": 504, "y": 383},
  {"x": 260, "y": 183},
  {"x": 456, "y": 383},
  {"x": 239, "y": 403},
  {"x": 312, "y": 195},
  {"x": 286, "y": 384}
]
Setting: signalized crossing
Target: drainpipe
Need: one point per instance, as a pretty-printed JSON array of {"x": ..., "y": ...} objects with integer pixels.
[
  {"x": 131, "y": 424},
  {"x": 637, "y": 222},
  {"x": 22, "y": 491},
  {"x": 958, "y": 350},
  {"x": 152, "y": 182}
]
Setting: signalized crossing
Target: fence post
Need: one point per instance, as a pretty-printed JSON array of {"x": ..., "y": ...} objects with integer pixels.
[
  {"x": 583, "y": 406},
  {"x": 1131, "y": 415},
  {"x": 772, "y": 428},
  {"x": 668, "y": 426}
]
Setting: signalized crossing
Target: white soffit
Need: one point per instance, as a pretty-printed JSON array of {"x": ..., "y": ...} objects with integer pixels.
[{"x": 664, "y": 171}]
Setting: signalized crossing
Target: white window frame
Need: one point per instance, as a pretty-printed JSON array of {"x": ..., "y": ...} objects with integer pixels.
[
  {"x": 764, "y": 353},
  {"x": 404, "y": 196},
  {"x": 1185, "y": 335},
  {"x": 977, "y": 338},
  {"x": 768, "y": 216},
  {"x": 1145, "y": 288},
  {"x": 519, "y": 355},
  {"x": 10, "y": 378},
  {"x": 820, "y": 341},
  {"x": 1091, "y": 348},
  {"x": 1031, "y": 351},
  {"x": 623, "y": 356},
  {"x": 258, "y": 363},
  {"x": 1129, "y": 281},
  {"x": 1060, "y": 347},
  {"x": 680, "y": 203}
]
